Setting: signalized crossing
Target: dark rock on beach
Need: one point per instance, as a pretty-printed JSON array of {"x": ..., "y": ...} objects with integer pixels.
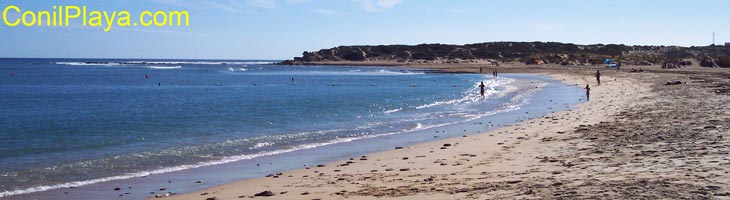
[{"x": 266, "y": 193}]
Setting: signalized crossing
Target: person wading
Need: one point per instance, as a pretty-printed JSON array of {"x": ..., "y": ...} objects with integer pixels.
[
  {"x": 588, "y": 93},
  {"x": 481, "y": 88}
]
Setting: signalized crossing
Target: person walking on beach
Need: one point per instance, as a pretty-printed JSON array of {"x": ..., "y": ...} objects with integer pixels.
[
  {"x": 588, "y": 93},
  {"x": 598, "y": 77},
  {"x": 481, "y": 70},
  {"x": 481, "y": 89}
]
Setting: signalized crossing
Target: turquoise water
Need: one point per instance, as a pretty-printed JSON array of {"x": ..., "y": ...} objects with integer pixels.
[{"x": 77, "y": 122}]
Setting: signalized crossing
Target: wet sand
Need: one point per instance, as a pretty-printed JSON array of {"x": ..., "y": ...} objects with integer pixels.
[{"x": 636, "y": 138}]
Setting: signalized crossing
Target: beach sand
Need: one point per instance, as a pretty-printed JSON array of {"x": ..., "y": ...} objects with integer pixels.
[{"x": 636, "y": 138}]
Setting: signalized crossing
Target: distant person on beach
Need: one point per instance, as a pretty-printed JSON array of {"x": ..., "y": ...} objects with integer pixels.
[
  {"x": 598, "y": 77},
  {"x": 588, "y": 93},
  {"x": 481, "y": 88},
  {"x": 494, "y": 72},
  {"x": 481, "y": 70}
]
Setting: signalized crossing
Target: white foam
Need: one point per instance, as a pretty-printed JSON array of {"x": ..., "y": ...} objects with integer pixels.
[
  {"x": 436, "y": 103},
  {"x": 171, "y": 169},
  {"x": 239, "y": 69},
  {"x": 198, "y": 62},
  {"x": 262, "y": 144},
  {"x": 472, "y": 96},
  {"x": 339, "y": 73},
  {"x": 517, "y": 102},
  {"x": 88, "y": 63},
  {"x": 420, "y": 126},
  {"x": 143, "y": 63},
  {"x": 164, "y": 67},
  {"x": 386, "y": 72},
  {"x": 392, "y": 111},
  {"x": 522, "y": 98},
  {"x": 217, "y": 162}
]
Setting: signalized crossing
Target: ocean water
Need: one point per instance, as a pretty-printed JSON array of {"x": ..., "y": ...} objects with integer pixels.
[{"x": 74, "y": 122}]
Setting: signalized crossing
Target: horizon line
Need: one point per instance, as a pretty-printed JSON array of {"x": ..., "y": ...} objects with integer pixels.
[{"x": 393, "y": 44}]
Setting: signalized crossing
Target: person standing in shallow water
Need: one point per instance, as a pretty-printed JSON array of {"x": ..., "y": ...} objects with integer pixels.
[
  {"x": 598, "y": 77},
  {"x": 481, "y": 88},
  {"x": 588, "y": 93}
]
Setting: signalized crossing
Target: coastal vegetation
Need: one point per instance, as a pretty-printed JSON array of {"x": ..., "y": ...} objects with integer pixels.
[{"x": 526, "y": 52}]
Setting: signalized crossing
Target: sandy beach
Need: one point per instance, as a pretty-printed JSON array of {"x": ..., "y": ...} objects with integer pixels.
[
  {"x": 364, "y": 99},
  {"x": 636, "y": 138}
]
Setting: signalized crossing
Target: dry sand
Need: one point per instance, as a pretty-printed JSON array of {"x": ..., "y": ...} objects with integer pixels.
[{"x": 637, "y": 138}]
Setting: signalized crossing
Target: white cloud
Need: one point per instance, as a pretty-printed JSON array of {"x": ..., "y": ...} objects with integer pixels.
[{"x": 377, "y": 5}]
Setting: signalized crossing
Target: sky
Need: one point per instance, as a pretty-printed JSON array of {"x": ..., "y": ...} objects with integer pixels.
[{"x": 282, "y": 29}]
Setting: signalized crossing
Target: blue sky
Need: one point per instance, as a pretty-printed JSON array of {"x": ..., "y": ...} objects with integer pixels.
[{"x": 281, "y": 29}]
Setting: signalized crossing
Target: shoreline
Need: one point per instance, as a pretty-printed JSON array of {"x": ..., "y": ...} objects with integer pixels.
[
  {"x": 640, "y": 137},
  {"x": 649, "y": 140},
  {"x": 324, "y": 181},
  {"x": 151, "y": 182}
]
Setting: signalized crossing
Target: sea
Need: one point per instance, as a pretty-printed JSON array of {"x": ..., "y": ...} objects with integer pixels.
[{"x": 85, "y": 127}]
